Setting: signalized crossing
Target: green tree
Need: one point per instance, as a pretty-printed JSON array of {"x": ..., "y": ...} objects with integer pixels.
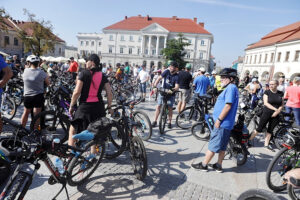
[
  {"x": 175, "y": 50},
  {"x": 37, "y": 35},
  {"x": 3, "y": 15}
]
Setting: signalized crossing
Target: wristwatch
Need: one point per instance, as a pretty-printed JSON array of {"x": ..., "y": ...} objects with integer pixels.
[{"x": 220, "y": 120}]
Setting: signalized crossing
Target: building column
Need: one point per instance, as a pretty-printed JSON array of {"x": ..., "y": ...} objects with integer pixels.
[
  {"x": 165, "y": 42},
  {"x": 149, "y": 45},
  {"x": 142, "y": 45},
  {"x": 157, "y": 44}
]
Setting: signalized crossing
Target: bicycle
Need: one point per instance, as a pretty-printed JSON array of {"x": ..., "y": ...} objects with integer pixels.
[
  {"x": 164, "y": 110},
  {"x": 8, "y": 105}
]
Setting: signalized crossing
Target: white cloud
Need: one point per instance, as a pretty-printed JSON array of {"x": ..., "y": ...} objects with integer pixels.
[{"x": 241, "y": 6}]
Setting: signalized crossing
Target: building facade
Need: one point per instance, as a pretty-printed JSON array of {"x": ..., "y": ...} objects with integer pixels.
[
  {"x": 140, "y": 40},
  {"x": 276, "y": 54},
  {"x": 71, "y": 51}
]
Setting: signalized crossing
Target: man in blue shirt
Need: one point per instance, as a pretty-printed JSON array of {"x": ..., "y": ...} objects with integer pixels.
[
  {"x": 212, "y": 79},
  {"x": 224, "y": 116},
  {"x": 201, "y": 83},
  {"x": 170, "y": 82},
  {"x": 5, "y": 75}
]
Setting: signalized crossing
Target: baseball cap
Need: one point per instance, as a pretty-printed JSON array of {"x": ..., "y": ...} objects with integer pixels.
[{"x": 254, "y": 80}]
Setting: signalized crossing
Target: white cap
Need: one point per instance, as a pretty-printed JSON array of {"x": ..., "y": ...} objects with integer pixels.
[{"x": 202, "y": 69}]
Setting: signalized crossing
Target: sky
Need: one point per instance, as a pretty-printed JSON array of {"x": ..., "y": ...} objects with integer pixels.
[{"x": 233, "y": 23}]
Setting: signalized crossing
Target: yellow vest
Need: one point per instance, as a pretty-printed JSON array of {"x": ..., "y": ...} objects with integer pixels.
[{"x": 218, "y": 83}]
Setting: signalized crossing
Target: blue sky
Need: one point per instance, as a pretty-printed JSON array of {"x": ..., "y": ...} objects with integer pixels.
[{"x": 234, "y": 23}]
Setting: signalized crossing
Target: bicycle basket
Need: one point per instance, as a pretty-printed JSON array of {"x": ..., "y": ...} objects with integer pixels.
[{"x": 100, "y": 127}]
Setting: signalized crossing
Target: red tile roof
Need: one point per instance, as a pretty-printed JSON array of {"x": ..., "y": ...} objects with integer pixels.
[
  {"x": 174, "y": 24},
  {"x": 284, "y": 34},
  {"x": 7, "y": 24}
]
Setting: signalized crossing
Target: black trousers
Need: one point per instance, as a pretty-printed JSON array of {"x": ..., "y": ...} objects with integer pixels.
[{"x": 267, "y": 119}]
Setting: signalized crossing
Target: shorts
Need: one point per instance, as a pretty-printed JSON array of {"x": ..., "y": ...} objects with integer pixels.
[
  {"x": 170, "y": 102},
  {"x": 36, "y": 101},
  {"x": 143, "y": 87},
  {"x": 219, "y": 139},
  {"x": 185, "y": 95}
]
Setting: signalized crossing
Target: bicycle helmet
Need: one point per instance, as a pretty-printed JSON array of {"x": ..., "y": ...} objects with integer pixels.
[
  {"x": 188, "y": 66},
  {"x": 9, "y": 58},
  {"x": 213, "y": 72},
  {"x": 32, "y": 58},
  {"x": 228, "y": 72},
  {"x": 202, "y": 69}
]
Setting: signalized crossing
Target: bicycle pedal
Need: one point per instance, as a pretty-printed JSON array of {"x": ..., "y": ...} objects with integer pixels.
[{"x": 51, "y": 180}]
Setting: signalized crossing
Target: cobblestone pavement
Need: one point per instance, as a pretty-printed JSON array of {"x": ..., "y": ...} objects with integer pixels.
[{"x": 169, "y": 173}]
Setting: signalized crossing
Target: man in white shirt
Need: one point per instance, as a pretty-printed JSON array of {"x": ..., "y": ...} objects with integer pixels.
[
  {"x": 136, "y": 71},
  {"x": 143, "y": 77}
]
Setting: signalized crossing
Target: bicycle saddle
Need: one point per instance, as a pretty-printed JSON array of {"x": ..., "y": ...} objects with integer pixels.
[{"x": 206, "y": 96}]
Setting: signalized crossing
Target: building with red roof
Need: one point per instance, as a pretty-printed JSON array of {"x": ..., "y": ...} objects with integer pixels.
[
  {"x": 140, "y": 40},
  {"x": 275, "y": 54}
]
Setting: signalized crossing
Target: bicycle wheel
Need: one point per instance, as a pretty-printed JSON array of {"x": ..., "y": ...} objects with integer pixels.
[
  {"x": 83, "y": 166},
  {"x": 52, "y": 124},
  {"x": 138, "y": 158},
  {"x": 293, "y": 192},
  {"x": 187, "y": 117},
  {"x": 143, "y": 129},
  {"x": 258, "y": 194},
  {"x": 163, "y": 119},
  {"x": 237, "y": 152},
  {"x": 279, "y": 137},
  {"x": 8, "y": 108},
  {"x": 115, "y": 142},
  {"x": 281, "y": 163},
  {"x": 200, "y": 131},
  {"x": 16, "y": 186}
]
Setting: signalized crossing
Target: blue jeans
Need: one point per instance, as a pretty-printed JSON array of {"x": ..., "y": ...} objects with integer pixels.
[
  {"x": 143, "y": 87},
  {"x": 288, "y": 110},
  {"x": 253, "y": 101},
  {"x": 219, "y": 139},
  {"x": 296, "y": 112}
]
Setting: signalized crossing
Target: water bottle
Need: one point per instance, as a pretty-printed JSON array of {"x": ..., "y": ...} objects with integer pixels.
[{"x": 59, "y": 165}]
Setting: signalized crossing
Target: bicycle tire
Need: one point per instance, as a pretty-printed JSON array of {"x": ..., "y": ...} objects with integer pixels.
[
  {"x": 81, "y": 162},
  {"x": 237, "y": 151},
  {"x": 16, "y": 184},
  {"x": 189, "y": 115},
  {"x": 11, "y": 110},
  {"x": 162, "y": 119},
  {"x": 138, "y": 154},
  {"x": 279, "y": 137},
  {"x": 287, "y": 166},
  {"x": 197, "y": 131},
  {"x": 52, "y": 122},
  {"x": 258, "y": 194},
  {"x": 145, "y": 124},
  {"x": 292, "y": 193},
  {"x": 113, "y": 147}
]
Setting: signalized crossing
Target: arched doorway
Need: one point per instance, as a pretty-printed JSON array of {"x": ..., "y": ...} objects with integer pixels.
[
  {"x": 151, "y": 64},
  {"x": 159, "y": 65},
  {"x": 277, "y": 75},
  {"x": 265, "y": 76},
  {"x": 145, "y": 62},
  {"x": 255, "y": 74}
]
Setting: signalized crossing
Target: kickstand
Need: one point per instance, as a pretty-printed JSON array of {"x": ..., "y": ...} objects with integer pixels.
[{"x": 64, "y": 186}]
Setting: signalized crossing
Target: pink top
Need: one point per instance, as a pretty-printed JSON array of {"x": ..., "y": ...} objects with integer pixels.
[
  {"x": 94, "y": 87},
  {"x": 292, "y": 93}
]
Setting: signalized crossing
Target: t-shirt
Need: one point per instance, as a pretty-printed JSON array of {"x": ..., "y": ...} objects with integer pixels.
[
  {"x": 275, "y": 99},
  {"x": 92, "y": 86},
  {"x": 3, "y": 64},
  {"x": 73, "y": 67},
  {"x": 169, "y": 80},
  {"x": 143, "y": 75},
  {"x": 229, "y": 95},
  {"x": 292, "y": 93},
  {"x": 184, "y": 79},
  {"x": 201, "y": 83},
  {"x": 135, "y": 71},
  {"x": 281, "y": 88},
  {"x": 212, "y": 81},
  {"x": 127, "y": 70},
  {"x": 33, "y": 81}
]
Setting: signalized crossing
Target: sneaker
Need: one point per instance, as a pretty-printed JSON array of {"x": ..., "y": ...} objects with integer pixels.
[
  {"x": 270, "y": 148},
  {"x": 216, "y": 167},
  {"x": 169, "y": 125},
  {"x": 199, "y": 166},
  {"x": 154, "y": 124}
]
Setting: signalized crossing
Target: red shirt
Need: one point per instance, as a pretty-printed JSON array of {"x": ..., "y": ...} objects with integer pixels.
[
  {"x": 292, "y": 93},
  {"x": 73, "y": 67}
]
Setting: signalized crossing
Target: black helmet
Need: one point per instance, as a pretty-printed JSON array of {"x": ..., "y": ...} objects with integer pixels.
[{"x": 228, "y": 72}]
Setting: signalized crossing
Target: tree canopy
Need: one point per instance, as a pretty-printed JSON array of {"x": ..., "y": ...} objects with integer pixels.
[{"x": 175, "y": 50}]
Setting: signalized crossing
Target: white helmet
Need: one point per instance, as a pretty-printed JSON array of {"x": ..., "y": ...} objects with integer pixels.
[
  {"x": 213, "y": 72},
  {"x": 202, "y": 69},
  {"x": 32, "y": 58}
]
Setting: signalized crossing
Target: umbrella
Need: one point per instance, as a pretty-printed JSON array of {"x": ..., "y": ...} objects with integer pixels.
[
  {"x": 4, "y": 54},
  {"x": 81, "y": 60}
]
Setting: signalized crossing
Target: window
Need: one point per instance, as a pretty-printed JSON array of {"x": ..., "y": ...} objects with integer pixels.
[
  {"x": 297, "y": 54},
  {"x": 266, "y": 58},
  {"x": 92, "y": 43},
  {"x": 255, "y": 59},
  {"x": 111, "y": 38},
  {"x": 92, "y": 52},
  {"x": 146, "y": 51},
  {"x": 6, "y": 40},
  {"x": 190, "y": 41},
  {"x": 279, "y": 57},
  {"x": 188, "y": 55},
  {"x": 99, "y": 53},
  {"x": 122, "y": 38},
  {"x": 259, "y": 61},
  {"x": 99, "y": 44},
  {"x": 130, "y": 50},
  {"x": 140, "y": 38},
  {"x": 16, "y": 42},
  {"x": 131, "y": 38},
  {"x": 81, "y": 43},
  {"x": 138, "y": 51},
  {"x": 287, "y": 55},
  {"x": 110, "y": 50},
  {"x": 246, "y": 59},
  {"x": 201, "y": 55},
  {"x": 272, "y": 57},
  {"x": 59, "y": 51},
  {"x": 202, "y": 42},
  {"x": 121, "y": 49},
  {"x": 86, "y": 43},
  {"x": 153, "y": 51}
]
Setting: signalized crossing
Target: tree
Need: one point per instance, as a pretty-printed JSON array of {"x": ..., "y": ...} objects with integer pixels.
[
  {"x": 175, "y": 50},
  {"x": 3, "y": 15},
  {"x": 37, "y": 35}
]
